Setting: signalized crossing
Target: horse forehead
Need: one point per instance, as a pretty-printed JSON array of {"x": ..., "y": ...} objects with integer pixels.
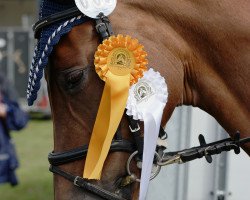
[
  {"x": 81, "y": 36},
  {"x": 77, "y": 48}
]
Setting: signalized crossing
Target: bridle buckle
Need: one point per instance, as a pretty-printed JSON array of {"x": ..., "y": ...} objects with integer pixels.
[
  {"x": 103, "y": 26},
  {"x": 76, "y": 180},
  {"x": 100, "y": 27},
  {"x": 135, "y": 129}
]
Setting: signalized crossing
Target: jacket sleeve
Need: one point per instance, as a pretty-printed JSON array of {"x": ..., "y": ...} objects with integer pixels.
[{"x": 16, "y": 118}]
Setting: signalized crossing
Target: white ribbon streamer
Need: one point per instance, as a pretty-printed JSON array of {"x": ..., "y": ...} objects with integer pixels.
[{"x": 147, "y": 99}]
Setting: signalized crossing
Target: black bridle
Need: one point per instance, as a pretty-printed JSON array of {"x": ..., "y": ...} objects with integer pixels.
[{"x": 103, "y": 27}]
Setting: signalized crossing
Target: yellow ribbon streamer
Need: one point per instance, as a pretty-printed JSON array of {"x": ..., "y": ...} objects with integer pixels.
[{"x": 119, "y": 61}]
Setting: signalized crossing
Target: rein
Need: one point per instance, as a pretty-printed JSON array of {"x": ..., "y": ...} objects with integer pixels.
[{"x": 162, "y": 158}]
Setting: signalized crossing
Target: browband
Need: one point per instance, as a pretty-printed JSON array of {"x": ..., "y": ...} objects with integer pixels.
[{"x": 72, "y": 12}]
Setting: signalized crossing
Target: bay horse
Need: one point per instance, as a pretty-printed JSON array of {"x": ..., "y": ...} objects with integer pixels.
[{"x": 200, "y": 47}]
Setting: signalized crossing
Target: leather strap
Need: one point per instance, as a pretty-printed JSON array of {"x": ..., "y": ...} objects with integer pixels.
[
  {"x": 207, "y": 150},
  {"x": 66, "y": 14},
  {"x": 82, "y": 183},
  {"x": 135, "y": 129},
  {"x": 79, "y": 153},
  {"x": 103, "y": 26}
]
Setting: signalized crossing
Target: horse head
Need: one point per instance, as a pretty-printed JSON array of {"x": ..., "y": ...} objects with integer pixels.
[{"x": 174, "y": 47}]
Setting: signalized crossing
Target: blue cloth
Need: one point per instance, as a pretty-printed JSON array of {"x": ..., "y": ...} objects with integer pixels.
[
  {"x": 49, "y": 37},
  {"x": 16, "y": 119}
]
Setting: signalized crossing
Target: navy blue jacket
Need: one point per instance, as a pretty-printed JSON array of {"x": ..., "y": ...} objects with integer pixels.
[{"x": 16, "y": 119}]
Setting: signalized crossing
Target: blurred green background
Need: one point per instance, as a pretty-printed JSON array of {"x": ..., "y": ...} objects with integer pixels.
[
  {"x": 35, "y": 181},
  {"x": 33, "y": 143}
]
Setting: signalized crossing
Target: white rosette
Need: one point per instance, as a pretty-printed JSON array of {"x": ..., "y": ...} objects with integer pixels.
[
  {"x": 92, "y": 8},
  {"x": 146, "y": 101}
]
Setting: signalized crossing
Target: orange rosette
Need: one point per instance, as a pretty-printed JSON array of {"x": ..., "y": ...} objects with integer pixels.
[{"x": 119, "y": 61}]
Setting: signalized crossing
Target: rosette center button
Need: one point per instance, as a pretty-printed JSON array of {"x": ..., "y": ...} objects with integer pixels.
[{"x": 121, "y": 61}]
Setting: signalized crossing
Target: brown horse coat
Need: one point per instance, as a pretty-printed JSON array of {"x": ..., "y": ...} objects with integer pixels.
[{"x": 200, "y": 47}]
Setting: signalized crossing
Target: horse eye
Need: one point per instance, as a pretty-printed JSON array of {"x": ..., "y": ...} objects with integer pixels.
[
  {"x": 72, "y": 80},
  {"x": 74, "y": 77}
]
